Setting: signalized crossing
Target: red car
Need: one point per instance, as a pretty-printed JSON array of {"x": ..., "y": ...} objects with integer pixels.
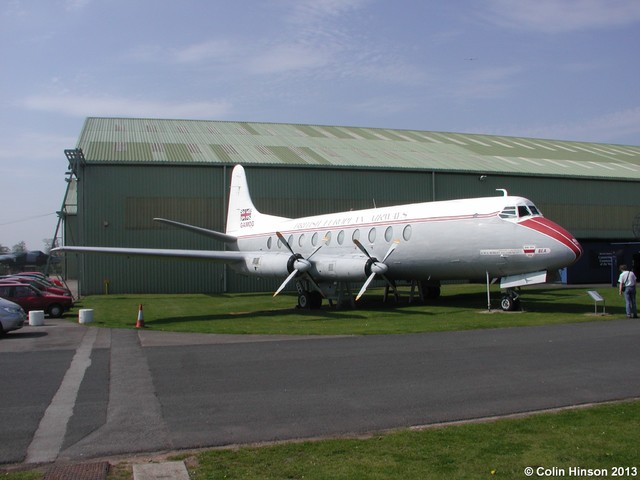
[
  {"x": 40, "y": 283},
  {"x": 30, "y": 298},
  {"x": 41, "y": 276}
]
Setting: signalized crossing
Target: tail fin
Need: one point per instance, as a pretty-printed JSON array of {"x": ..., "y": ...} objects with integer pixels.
[{"x": 242, "y": 215}]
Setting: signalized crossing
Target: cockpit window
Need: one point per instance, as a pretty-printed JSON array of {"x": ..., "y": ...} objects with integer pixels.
[
  {"x": 523, "y": 211},
  {"x": 509, "y": 212},
  {"x": 520, "y": 211}
]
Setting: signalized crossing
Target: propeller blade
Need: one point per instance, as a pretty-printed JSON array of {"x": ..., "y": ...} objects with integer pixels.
[
  {"x": 391, "y": 249},
  {"x": 361, "y": 247},
  {"x": 322, "y": 244},
  {"x": 284, "y": 284},
  {"x": 284, "y": 241},
  {"x": 366, "y": 284}
]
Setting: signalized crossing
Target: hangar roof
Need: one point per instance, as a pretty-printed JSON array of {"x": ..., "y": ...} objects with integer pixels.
[{"x": 156, "y": 141}]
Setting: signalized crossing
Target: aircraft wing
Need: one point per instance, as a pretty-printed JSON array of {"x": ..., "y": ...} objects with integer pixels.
[
  {"x": 212, "y": 255},
  {"x": 223, "y": 237}
]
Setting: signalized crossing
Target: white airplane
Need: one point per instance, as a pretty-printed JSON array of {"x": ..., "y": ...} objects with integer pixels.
[{"x": 493, "y": 237}]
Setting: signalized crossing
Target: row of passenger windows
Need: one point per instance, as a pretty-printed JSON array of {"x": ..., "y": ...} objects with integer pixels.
[{"x": 329, "y": 237}]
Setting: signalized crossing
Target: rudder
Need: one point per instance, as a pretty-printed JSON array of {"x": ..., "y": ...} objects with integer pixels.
[{"x": 241, "y": 213}]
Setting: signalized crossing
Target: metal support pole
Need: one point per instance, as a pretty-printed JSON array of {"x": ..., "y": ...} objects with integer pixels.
[{"x": 488, "y": 293}]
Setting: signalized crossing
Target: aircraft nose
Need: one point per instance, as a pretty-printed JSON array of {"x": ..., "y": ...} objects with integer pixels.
[{"x": 542, "y": 225}]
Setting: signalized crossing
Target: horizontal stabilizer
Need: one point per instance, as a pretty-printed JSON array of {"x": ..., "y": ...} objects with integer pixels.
[
  {"x": 532, "y": 278},
  {"x": 211, "y": 255},
  {"x": 223, "y": 237}
]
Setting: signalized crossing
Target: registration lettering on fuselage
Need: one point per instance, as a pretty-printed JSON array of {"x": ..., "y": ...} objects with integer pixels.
[{"x": 528, "y": 250}]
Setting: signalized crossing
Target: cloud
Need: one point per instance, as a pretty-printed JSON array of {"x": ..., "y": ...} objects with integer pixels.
[
  {"x": 486, "y": 83},
  {"x": 310, "y": 11},
  {"x": 41, "y": 147},
  {"x": 608, "y": 127},
  {"x": 75, "y": 5},
  {"x": 288, "y": 57},
  {"x": 560, "y": 16},
  {"x": 87, "y": 106},
  {"x": 202, "y": 52},
  {"x": 612, "y": 127}
]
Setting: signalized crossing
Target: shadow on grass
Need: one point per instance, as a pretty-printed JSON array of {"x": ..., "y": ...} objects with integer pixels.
[{"x": 319, "y": 315}]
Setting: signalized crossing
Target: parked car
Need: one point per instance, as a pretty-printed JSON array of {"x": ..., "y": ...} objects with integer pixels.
[
  {"x": 30, "y": 298},
  {"x": 40, "y": 283},
  {"x": 41, "y": 276},
  {"x": 12, "y": 316}
]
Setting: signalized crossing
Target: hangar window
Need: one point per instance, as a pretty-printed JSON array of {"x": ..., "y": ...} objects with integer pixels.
[{"x": 406, "y": 233}]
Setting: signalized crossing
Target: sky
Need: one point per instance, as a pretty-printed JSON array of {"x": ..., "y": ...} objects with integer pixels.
[{"x": 558, "y": 69}]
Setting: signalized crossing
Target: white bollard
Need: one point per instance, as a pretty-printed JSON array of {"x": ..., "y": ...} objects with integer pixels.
[
  {"x": 36, "y": 318},
  {"x": 85, "y": 315}
]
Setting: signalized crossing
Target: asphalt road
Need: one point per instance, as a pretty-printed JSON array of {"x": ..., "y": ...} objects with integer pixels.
[{"x": 71, "y": 392}]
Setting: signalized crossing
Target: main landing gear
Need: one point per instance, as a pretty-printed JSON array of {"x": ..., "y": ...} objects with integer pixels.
[
  {"x": 510, "y": 300},
  {"x": 312, "y": 300}
]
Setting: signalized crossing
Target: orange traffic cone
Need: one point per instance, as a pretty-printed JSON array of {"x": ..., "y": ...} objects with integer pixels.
[{"x": 140, "y": 322}]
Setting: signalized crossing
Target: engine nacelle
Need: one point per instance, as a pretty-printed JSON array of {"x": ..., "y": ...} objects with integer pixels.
[
  {"x": 339, "y": 269},
  {"x": 272, "y": 265},
  {"x": 325, "y": 268}
]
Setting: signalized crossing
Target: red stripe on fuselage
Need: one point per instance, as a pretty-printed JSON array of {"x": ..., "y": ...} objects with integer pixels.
[{"x": 555, "y": 231}]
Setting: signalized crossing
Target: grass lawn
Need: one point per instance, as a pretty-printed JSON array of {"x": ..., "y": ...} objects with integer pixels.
[
  {"x": 604, "y": 437},
  {"x": 461, "y": 307}
]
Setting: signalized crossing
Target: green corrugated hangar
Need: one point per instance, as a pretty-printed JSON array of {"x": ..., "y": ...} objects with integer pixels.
[{"x": 131, "y": 170}]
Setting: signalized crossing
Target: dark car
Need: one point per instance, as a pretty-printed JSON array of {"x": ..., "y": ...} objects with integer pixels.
[{"x": 30, "y": 298}]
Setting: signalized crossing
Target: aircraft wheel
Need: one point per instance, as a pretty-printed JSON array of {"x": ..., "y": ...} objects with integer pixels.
[
  {"x": 311, "y": 300},
  {"x": 304, "y": 300},
  {"x": 509, "y": 304}
]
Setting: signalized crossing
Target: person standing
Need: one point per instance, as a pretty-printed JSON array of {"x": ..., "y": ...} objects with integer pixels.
[{"x": 627, "y": 286}]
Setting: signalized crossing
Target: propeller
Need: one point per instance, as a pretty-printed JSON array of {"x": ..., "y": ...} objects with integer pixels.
[
  {"x": 376, "y": 266},
  {"x": 298, "y": 264}
]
